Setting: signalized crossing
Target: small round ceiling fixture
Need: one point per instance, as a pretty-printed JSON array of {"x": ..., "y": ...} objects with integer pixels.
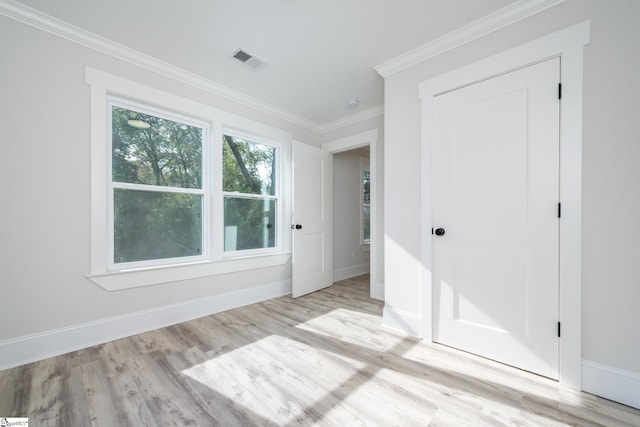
[{"x": 352, "y": 102}]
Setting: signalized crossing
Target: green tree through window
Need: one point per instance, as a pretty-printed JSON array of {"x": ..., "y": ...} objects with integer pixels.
[{"x": 250, "y": 196}]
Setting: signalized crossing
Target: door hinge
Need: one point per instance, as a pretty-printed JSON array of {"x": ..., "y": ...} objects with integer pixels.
[
  {"x": 559, "y": 210},
  {"x": 559, "y": 90},
  {"x": 431, "y": 230},
  {"x": 558, "y": 329}
]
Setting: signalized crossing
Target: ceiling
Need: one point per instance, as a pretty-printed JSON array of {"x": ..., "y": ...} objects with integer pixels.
[{"x": 319, "y": 53}]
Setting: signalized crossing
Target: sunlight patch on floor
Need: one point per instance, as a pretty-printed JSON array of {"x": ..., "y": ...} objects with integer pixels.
[
  {"x": 285, "y": 376},
  {"x": 349, "y": 326},
  {"x": 461, "y": 364}
]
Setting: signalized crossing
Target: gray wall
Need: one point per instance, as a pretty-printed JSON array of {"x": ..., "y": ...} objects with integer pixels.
[
  {"x": 611, "y": 155},
  {"x": 349, "y": 256}
]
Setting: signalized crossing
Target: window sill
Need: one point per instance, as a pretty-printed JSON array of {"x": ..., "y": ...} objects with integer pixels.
[
  {"x": 118, "y": 280},
  {"x": 365, "y": 247}
]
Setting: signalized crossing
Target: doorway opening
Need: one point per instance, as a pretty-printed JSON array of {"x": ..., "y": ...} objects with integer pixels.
[
  {"x": 351, "y": 213},
  {"x": 356, "y": 142}
]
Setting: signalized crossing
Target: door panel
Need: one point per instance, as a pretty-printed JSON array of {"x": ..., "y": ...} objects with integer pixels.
[
  {"x": 312, "y": 210},
  {"x": 495, "y": 192}
]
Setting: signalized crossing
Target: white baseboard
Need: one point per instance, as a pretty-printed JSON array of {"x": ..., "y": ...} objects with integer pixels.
[
  {"x": 30, "y": 348},
  {"x": 377, "y": 291},
  {"x": 611, "y": 383},
  {"x": 401, "y": 320},
  {"x": 351, "y": 271}
]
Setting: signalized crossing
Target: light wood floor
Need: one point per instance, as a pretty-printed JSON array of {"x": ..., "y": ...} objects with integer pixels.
[{"x": 323, "y": 359}]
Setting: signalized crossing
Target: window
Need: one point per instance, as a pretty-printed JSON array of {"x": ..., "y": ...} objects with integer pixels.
[
  {"x": 250, "y": 194},
  {"x": 157, "y": 187},
  {"x": 365, "y": 201},
  {"x": 180, "y": 190}
]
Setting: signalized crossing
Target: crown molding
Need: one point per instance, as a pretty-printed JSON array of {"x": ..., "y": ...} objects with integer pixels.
[
  {"x": 504, "y": 17},
  {"x": 67, "y": 31},
  {"x": 358, "y": 117}
]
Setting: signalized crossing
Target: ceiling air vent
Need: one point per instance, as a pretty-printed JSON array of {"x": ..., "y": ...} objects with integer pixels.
[{"x": 249, "y": 59}]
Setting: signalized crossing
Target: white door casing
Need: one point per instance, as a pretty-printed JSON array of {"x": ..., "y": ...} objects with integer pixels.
[
  {"x": 312, "y": 263},
  {"x": 495, "y": 193},
  {"x": 363, "y": 139}
]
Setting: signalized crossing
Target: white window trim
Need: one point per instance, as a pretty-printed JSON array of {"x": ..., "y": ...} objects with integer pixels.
[
  {"x": 103, "y": 85},
  {"x": 205, "y": 191}
]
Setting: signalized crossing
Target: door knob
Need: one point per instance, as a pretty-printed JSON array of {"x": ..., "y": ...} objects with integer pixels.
[
  {"x": 298, "y": 227},
  {"x": 439, "y": 231}
]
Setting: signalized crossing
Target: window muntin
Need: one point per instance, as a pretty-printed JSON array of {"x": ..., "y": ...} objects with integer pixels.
[
  {"x": 157, "y": 187},
  {"x": 250, "y": 190}
]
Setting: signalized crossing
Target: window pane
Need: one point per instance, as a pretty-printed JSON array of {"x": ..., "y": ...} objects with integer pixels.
[
  {"x": 249, "y": 224},
  {"x": 366, "y": 216},
  {"x": 151, "y": 225},
  {"x": 366, "y": 181},
  {"x": 155, "y": 151},
  {"x": 249, "y": 167}
]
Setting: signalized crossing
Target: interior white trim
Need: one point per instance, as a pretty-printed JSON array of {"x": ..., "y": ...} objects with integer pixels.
[
  {"x": 611, "y": 383},
  {"x": 351, "y": 271},
  {"x": 488, "y": 24},
  {"x": 401, "y": 320},
  {"x": 377, "y": 289},
  {"x": 118, "y": 280},
  {"x": 568, "y": 44},
  {"x": 37, "y": 19},
  {"x": 369, "y": 113},
  {"x": 351, "y": 142},
  {"x": 31, "y": 348},
  {"x": 358, "y": 140}
]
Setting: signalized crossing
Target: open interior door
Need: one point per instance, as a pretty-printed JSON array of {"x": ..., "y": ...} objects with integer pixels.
[{"x": 312, "y": 232}]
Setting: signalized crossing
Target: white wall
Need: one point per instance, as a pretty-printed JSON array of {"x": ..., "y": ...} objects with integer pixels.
[
  {"x": 611, "y": 155},
  {"x": 45, "y": 215},
  {"x": 350, "y": 257}
]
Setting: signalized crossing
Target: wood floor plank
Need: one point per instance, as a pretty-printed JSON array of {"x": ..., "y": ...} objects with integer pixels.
[
  {"x": 166, "y": 395},
  {"x": 56, "y": 395},
  {"x": 320, "y": 360},
  {"x": 103, "y": 399},
  {"x": 15, "y": 389}
]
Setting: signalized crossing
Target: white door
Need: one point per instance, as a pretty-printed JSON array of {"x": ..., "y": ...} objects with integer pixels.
[
  {"x": 495, "y": 196},
  {"x": 312, "y": 220}
]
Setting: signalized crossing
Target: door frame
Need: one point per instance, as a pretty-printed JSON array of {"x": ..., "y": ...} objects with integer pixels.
[
  {"x": 568, "y": 45},
  {"x": 370, "y": 138}
]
